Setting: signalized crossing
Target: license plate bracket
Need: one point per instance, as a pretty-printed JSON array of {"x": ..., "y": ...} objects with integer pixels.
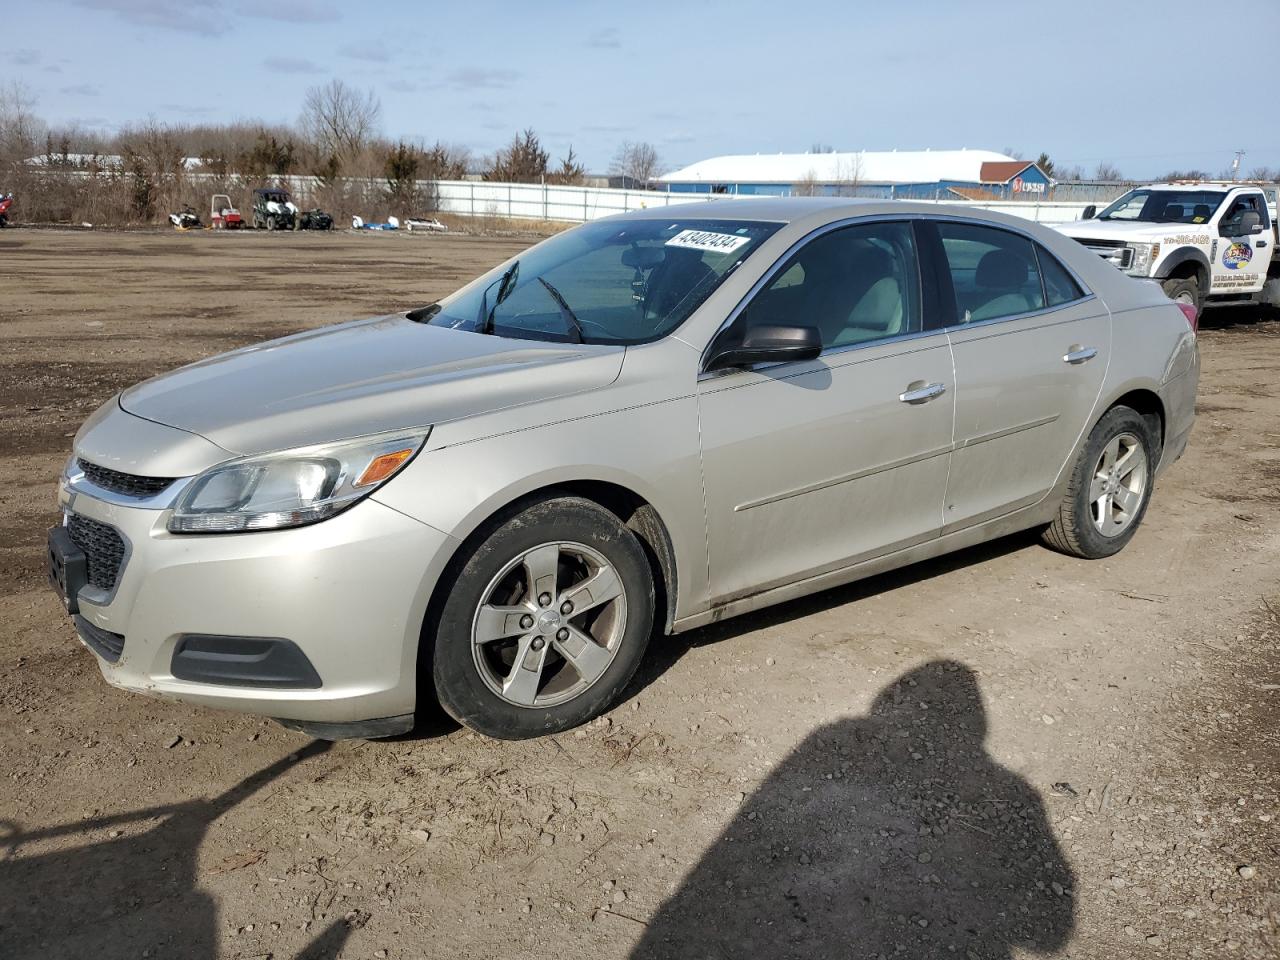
[{"x": 68, "y": 568}]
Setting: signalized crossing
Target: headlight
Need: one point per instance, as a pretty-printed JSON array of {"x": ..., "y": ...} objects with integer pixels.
[
  {"x": 291, "y": 488},
  {"x": 1144, "y": 255}
]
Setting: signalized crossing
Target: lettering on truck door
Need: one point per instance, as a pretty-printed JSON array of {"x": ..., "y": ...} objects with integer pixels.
[{"x": 1239, "y": 257}]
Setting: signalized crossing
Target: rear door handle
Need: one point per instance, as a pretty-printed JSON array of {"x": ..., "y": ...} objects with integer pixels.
[
  {"x": 920, "y": 392},
  {"x": 1079, "y": 354},
  {"x": 1260, "y": 244}
]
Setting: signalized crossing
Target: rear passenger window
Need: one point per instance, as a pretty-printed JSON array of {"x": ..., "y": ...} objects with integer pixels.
[
  {"x": 1059, "y": 287},
  {"x": 993, "y": 272}
]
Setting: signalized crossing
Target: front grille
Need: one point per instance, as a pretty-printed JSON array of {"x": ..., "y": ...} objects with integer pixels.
[
  {"x": 103, "y": 549},
  {"x": 129, "y": 484},
  {"x": 104, "y": 643}
]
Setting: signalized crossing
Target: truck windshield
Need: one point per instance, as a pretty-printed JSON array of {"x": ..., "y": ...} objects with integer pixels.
[
  {"x": 617, "y": 281},
  {"x": 1165, "y": 206}
]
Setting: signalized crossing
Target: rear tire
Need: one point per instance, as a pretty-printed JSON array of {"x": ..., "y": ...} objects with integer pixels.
[
  {"x": 545, "y": 623},
  {"x": 1184, "y": 290},
  {"x": 1109, "y": 489}
]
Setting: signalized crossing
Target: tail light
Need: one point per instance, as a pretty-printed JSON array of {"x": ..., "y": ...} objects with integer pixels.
[{"x": 1191, "y": 313}]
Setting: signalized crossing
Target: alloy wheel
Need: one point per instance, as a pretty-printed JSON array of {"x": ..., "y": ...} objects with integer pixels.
[
  {"x": 1119, "y": 485},
  {"x": 549, "y": 624}
]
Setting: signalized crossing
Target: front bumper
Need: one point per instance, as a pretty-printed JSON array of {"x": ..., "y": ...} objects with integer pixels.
[{"x": 350, "y": 592}]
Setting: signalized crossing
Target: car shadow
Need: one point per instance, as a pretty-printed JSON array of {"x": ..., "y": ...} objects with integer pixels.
[
  {"x": 126, "y": 885},
  {"x": 894, "y": 834},
  {"x": 1239, "y": 318},
  {"x": 665, "y": 651}
]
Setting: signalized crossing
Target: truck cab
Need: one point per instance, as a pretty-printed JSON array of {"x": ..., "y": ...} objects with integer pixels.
[{"x": 1206, "y": 243}]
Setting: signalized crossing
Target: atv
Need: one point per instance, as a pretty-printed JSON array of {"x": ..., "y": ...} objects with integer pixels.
[
  {"x": 315, "y": 219},
  {"x": 6, "y": 201},
  {"x": 273, "y": 210}
]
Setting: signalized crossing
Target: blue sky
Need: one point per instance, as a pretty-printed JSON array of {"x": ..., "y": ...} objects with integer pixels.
[{"x": 1147, "y": 86}]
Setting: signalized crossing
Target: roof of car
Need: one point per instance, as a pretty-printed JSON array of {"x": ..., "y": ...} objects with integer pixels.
[{"x": 780, "y": 209}]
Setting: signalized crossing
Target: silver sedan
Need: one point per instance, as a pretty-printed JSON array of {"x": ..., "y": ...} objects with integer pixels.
[{"x": 641, "y": 425}]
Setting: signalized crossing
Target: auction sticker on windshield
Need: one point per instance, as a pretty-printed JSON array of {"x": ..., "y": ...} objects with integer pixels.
[{"x": 705, "y": 240}]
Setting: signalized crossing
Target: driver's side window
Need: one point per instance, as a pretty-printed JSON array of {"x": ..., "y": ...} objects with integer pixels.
[
  {"x": 855, "y": 285},
  {"x": 1231, "y": 220}
]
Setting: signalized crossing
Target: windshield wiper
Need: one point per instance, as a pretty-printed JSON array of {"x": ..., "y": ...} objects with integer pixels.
[
  {"x": 570, "y": 320},
  {"x": 506, "y": 283}
]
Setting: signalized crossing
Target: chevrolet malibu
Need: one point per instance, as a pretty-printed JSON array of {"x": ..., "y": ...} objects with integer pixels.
[{"x": 647, "y": 423}]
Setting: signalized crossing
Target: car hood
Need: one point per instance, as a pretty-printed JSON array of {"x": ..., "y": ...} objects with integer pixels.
[
  {"x": 1126, "y": 230},
  {"x": 355, "y": 379}
]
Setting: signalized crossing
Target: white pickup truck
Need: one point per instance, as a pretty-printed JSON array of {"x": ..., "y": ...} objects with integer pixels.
[{"x": 1206, "y": 243}]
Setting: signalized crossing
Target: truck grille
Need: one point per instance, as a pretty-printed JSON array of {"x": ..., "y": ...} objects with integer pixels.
[
  {"x": 103, "y": 549},
  {"x": 128, "y": 484},
  {"x": 1112, "y": 251}
]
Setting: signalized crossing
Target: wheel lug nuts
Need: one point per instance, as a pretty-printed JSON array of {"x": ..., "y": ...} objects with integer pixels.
[
  {"x": 526, "y": 622},
  {"x": 538, "y": 643},
  {"x": 566, "y": 608},
  {"x": 544, "y": 600},
  {"x": 562, "y": 634}
]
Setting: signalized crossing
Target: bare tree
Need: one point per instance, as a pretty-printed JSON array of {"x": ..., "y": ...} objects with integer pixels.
[
  {"x": 822, "y": 148},
  {"x": 1106, "y": 170},
  {"x": 20, "y": 128},
  {"x": 1010, "y": 152},
  {"x": 638, "y": 162},
  {"x": 1191, "y": 174},
  {"x": 849, "y": 175},
  {"x": 1264, "y": 174},
  {"x": 340, "y": 120},
  {"x": 807, "y": 186}
]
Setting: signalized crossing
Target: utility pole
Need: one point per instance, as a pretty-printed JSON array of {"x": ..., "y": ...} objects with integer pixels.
[{"x": 1235, "y": 165}]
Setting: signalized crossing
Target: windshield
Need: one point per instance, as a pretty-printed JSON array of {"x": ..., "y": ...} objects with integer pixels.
[
  {"x": 1165, "y": 206},
  {"x": 617, "y": 281}
]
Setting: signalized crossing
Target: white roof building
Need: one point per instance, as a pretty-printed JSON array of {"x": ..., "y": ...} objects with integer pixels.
[{"x": 893, "y": 167}]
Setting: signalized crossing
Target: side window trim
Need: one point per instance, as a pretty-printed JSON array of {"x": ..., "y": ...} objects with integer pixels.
[{"x": 944, "y": 270}]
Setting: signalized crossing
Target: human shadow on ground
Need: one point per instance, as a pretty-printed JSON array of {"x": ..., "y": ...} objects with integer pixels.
[
  {"x": 890, "y": 835},
  {"x": 134, "y": 892}
]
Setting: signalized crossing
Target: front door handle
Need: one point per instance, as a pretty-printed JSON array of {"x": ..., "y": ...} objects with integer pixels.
[
  {"x": 1079, "y": 354},
  {"x": 1260, "y": 244},
  {"x": 921, "y": 392}
]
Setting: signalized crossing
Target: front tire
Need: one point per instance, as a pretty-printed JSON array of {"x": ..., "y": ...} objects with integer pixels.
[
  {"x": 1109, "y": 489},
  {"x": 545, "y": 623}
]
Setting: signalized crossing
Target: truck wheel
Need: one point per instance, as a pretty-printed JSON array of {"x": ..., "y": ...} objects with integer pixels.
[
  {"x": 1109, "y": 489},
  {"x": 1184, "y": 290},
  {"x": 545, "y": 623}
]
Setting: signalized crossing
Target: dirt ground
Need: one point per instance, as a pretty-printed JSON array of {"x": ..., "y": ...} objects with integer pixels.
[{"x": 1003, "y": 753}]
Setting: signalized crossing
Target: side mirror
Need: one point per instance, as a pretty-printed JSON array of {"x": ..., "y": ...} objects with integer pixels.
[
  {"x": 776, "y": 343},
  {"x": 1090, "y": 212}
]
